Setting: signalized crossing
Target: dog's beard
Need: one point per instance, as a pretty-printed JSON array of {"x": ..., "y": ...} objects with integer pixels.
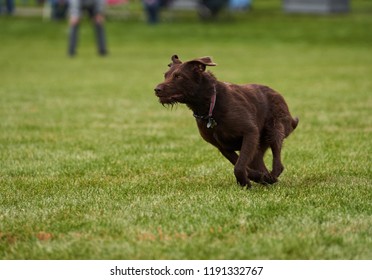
[
  {"x": 167, "y": 103},
  {"x": 171, "y": 100},
  {"x": 170, "y": 105}
]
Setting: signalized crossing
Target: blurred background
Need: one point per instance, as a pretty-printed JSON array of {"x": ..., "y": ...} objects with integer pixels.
[{"x": 160, "y": 10}]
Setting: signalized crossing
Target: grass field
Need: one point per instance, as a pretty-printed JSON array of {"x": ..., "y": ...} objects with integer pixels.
[{"x": 93, "y": 167}]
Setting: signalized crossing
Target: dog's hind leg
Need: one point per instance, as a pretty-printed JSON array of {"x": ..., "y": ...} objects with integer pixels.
[
  {"x": 258, "y": 168},
  {"x": 246, "y": 155},
  {"x": 254, "y": 175},
  {"x": 276, "y": 148}
]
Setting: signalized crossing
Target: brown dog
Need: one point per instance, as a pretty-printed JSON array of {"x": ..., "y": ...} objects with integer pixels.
[{"x": 246, "y": 118}]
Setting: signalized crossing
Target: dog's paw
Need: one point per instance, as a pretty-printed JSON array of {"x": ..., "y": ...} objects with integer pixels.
[
  {"x": 241, "y": 177},
  {"x": 241, "y": 181},
  {"x": 245, "y": 184},
  {"x": 269, "y": 179},
  {"x": 260, "y": 177}
]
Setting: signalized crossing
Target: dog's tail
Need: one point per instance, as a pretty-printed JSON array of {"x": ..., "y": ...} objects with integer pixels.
[{"x": 295, "y": 122}]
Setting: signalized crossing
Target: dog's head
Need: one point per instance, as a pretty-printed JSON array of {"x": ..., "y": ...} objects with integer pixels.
[{"x": 182, "y": 80}]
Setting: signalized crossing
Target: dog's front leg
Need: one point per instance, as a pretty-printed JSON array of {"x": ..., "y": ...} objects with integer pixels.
[
  {"x": 233, "y": 157},
  {"x": 253, "y": 174},
  {"x": 257, "y": 169},
  {"x": 247, "y": 152}
]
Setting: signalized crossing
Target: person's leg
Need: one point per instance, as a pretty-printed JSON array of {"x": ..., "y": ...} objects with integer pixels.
[
  {"x": 152, "y": 10},
  {"x": 10, "y": 6},
  {"x": 73, "y": 38},
  {"x": 95, "y": 14},
  {"x": 100, "y": 35},
  {"x": 75, "y": 13}
]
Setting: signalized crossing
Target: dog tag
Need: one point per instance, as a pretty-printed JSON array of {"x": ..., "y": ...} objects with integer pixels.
[{"x": 211, "y": 123}]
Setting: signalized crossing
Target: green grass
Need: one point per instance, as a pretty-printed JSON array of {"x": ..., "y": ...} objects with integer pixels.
[{"x": 93, "y": 167}]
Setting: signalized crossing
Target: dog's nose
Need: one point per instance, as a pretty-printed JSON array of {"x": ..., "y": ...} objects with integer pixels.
[{"x": 157, "y": 90}]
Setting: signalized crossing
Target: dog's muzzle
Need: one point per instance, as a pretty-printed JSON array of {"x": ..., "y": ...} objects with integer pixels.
[{"x": 158, "y": 90}]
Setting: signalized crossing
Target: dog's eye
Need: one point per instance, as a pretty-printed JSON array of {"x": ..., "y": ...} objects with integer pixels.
[{"x": 177, "y": 76}]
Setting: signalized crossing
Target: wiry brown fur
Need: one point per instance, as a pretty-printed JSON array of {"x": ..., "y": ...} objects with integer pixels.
[{"x": 250, "y": 118}]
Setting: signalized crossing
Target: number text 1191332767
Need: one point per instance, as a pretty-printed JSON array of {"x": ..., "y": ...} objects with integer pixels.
[{"x": 245, "y": 270}]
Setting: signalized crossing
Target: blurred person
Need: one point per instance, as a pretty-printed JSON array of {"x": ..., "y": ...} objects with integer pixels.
[
  {"x": 211, "y": 8},
  {"x": 240, "y": 4},
  {"x": 95, "y": 10},
  {"x": 58, "y": 9},
  {"x": 9, "y": 4},
  {"x": 152, "y": 10}
]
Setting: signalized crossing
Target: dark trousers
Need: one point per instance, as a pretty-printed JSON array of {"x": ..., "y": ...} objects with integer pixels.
[
  {"x": 99, "y": 33},
  {"x": 100, "y": 39},
  {"x": 9, "y": 6}
]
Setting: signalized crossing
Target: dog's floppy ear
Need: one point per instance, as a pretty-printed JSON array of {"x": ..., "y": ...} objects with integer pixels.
[
  {"x": 175, "y": 60},
  {"x": 201, "y": 63},
  {"x": 207, "y": 61}
]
